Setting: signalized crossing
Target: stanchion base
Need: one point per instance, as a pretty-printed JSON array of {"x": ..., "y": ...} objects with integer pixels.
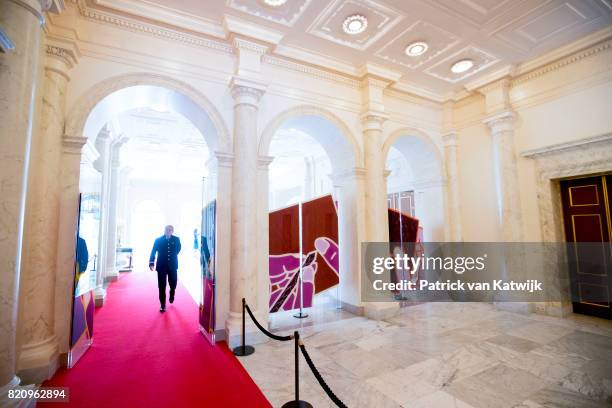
[
  {"x": 300, "y": 315},
  {"x": 243, "y": 351},
  {"x": 297, "y": 404}
]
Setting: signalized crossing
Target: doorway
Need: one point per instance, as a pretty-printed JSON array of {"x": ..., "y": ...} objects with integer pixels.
[{"x": 586, "y": 217}]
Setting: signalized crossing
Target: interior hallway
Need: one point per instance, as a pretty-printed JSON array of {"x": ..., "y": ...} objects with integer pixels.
[
  {"x": 462, "y": 355},
  {"x": 141, "y": 358}
]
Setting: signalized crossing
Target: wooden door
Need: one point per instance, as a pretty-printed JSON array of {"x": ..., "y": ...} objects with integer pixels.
[{"x": 586, "y": 216}]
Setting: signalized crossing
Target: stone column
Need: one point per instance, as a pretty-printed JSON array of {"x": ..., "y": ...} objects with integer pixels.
[
  {"x": 349, "y": 186},
  {"x": 21, "y": 20},
  {"x": 309, "y": 190},
  {"x": 123, "y": 211},
  {"x": 102, "y": 144},
  {"x": 452, "y": 183},
  {"x": 263, "y": 239},
  {"x": 376, "y": 199},
  {"x": 506, "y": 176},
  {"x": 243, "y": 269},
  {"x": 375, "y": 186},
  {"x": 224, "y": 162},
  {"x": 66, "y": 237},
  {"x": 111, "y": 272},
  {"x": 38, "y": 357}
]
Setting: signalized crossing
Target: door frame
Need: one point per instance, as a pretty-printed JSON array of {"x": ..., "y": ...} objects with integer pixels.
[{"x": 589, "y": 156}]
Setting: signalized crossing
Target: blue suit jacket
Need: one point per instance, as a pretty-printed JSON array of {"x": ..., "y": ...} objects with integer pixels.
[{"x": 167, "y": 251}]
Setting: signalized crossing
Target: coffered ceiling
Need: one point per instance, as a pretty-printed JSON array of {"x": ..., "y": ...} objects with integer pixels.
[{"x": 493, "y": 34}]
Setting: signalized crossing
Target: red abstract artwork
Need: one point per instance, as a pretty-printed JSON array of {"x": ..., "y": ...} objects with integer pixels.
[{"x": 320, "y": 260}]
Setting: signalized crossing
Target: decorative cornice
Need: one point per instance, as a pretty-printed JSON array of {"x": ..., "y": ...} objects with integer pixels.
[
  {"x": 568, "y": 146},
  {"x": 246, "y": 28},
  {"x": 311, "y": 71},
  {"x": 138, "y": 26},
  {"x": 563, "y": 62},
  {"x": 504, "y": 82},
  {"x": 247, "y": 45}
]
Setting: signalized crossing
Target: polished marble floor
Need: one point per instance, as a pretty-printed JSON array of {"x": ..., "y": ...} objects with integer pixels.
[{"x": 442, "y": 355}]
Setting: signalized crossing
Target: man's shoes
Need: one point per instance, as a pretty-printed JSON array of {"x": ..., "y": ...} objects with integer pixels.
[
  {"x": 171, "y": 296},
  {"x": 162, "y": 309}
]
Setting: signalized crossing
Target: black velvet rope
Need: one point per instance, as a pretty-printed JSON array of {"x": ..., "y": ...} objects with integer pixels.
[
  {"x": 320, "y": 379},
  {"x": 267, "y": 333}
]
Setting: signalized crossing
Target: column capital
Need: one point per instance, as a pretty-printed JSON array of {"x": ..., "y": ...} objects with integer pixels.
[
  {"x": 116, "y": 146},
  {"x": 450, "y": 138},
  {"x": 339, "y": 177},
  {"x": 245, "y": 91},
  {"x": 61, "y": 56},
  {"x": 501, "y": 121},
  {"x": 224, "y": 159},
  {"x": 263, "y": 162},
  {"x": 373, "y": 120},
  {"x": 73, "y": 144}
]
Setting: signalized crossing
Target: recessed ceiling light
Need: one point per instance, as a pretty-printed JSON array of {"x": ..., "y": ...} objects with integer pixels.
[
  {"x": 415, "y": 49},
  {"x": 275, "y": 3},
  {"x": 355, "y": 24},
  {"x": 462, "y": 66}
]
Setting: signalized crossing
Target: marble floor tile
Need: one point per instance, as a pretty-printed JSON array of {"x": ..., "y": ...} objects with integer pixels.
[
  {"x": 514, "y": 343},
  {"x": 540, "y": 332},
  {"x": 439, "y": 399},
  {"x": 500, "y": 386},
  {"x": 467, "y": 355},
  {"x": 558, "y": 397}
]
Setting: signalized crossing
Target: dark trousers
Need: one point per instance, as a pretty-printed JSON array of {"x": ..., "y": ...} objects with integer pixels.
[{"x": 164, "y": 275}]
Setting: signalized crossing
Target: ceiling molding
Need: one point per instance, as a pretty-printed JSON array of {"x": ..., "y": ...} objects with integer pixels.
[
  {"x": 316, "y": 59},
  {"x": 132, "y": 24},
  {"x": 378, "y": 71},
  {"x": 249, "y": 29},
  {"x": 418, "y": 91},
  {"x": 311, "y": 71},
  {"x": 563, "y": 62},
  {"x": 576, "y": 144},
  {"x": 157, "y": 12}
]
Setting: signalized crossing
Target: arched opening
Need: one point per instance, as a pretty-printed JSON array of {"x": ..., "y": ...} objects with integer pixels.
[
  {"x": 146, "y": 159},
  {"x": 415, "y": 184},
  {"x": 308, "y": 178}
]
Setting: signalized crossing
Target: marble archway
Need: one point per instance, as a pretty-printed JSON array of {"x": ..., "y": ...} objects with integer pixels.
[
  {"x": 347, "y": 173},
  {"x": 427, "y": 178},
  {"x": 196, "y": 107}
]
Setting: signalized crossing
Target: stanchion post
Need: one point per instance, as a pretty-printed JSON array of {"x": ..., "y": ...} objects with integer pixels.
[
  {"x": 243, "y": 349},
  {"x": 297, "y": 402}
]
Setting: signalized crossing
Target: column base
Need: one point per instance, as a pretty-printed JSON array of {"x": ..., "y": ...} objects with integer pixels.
[
  {"x": 380, "y": 310},
  {"x": 100, "y": 296},
  {"x": 233, "y": 330},
  {"x": 555, "y": 309},
  {"x": 38, "y": 361},
  {"x": 357, "y": 310},
  {"x": 111, "y": 275}
]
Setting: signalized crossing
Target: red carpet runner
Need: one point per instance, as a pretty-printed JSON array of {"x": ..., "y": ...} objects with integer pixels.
[{"x": 143, "y": 358}]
